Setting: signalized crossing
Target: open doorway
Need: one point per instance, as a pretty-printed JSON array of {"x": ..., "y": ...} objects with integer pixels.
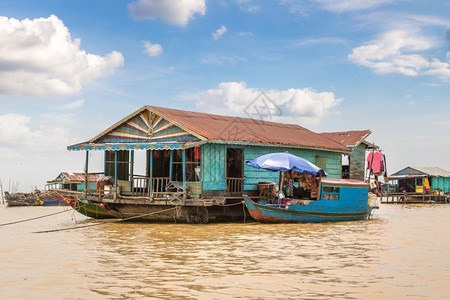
[
  {"x": 235, "y": 171},
  {"x": 345, "y": 166}
]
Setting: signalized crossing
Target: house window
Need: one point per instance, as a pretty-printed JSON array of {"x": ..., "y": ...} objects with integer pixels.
[
  {"x": 321, "y": 162},
  {"x": 192, "y": 164},
  {"x": 330, "y": 193},
  {"x": 123, "y": 163}
]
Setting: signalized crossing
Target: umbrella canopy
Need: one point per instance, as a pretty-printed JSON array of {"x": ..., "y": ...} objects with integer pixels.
[{"x": 284, "y": 161}]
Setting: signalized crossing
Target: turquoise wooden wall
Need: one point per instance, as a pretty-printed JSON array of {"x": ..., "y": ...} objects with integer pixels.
[
  {"x": 92, "y": 187},
  {"x": 213, "y": 167},
  {"x": 442, "y": 183},
  {"x": 214, "y": 156}
]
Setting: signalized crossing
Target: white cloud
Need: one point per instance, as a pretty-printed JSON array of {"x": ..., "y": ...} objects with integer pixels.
[
  {"x": 153, "y": 49},
  {"x": 245, "y": 33},
  {"x": 324, "y": 40},
  {"x": 248, "y": 5},
  {"x": 17, "y": 135},
  {"x": 177, "y": 12},
  {"x": 305, "y": 7},
  {"x": 219, "y": 32},
  {"x": 38, "y": 57},
  {"x": 352, "y": 5},
  {"x": 291, "y": 106},
  {"x": 222, "y": 59},
  {"x": 400, "y": 51},
  {"x": 71, "y": 106}
]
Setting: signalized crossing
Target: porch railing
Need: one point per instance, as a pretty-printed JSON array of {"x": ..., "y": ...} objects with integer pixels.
[
  {"x": 140, "y": 185},
  {"x": 235, "y": 186}
]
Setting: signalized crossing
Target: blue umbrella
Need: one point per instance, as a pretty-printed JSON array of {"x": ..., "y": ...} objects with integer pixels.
[{"x": 284, "y": 161}]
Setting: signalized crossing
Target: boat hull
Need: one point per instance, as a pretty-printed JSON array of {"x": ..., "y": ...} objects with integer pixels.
[
  {"x": 86, "y": 208},
  {"x": 302, "y": 214}
]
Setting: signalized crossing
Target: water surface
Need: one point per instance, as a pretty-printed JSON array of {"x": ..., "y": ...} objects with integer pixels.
[{"x": 403, "y": 253}]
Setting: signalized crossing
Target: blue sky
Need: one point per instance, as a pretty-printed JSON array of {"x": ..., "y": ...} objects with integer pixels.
[{"x": 70, "y": 69}]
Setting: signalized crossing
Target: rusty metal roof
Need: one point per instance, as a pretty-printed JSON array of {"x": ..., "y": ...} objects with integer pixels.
[
  {"x": 350, "y": 139},
  {"x": 246, "y": 130},
  {"x": 67, "y": 177}
]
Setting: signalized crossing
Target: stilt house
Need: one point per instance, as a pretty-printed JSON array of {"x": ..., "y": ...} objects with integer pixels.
[
  {"x": 202, "y": 153},
  {"x": 420, "y": 179},
  {"x": 353, "y": 163}
]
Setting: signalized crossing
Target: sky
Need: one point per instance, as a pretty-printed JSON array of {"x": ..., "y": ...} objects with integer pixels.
[{"x": 70, "y": 69}]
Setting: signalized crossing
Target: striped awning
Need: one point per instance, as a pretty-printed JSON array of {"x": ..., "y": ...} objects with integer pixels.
[{"x": 124, "y": 146}]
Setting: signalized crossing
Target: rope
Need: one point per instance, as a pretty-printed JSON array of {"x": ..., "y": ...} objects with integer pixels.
[
  {"x": 105, "y": 222},
  {"x": 31, "y": 219},
  {"x": 44, "y": 216},
  {"x": 237, "y": 203},
  {"x": 243, "y": 210}
]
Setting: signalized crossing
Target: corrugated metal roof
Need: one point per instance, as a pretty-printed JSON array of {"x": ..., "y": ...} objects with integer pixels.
[
  {"x": 247, "y": 130},
  {"x": 76, "y": 177},
  {"x": 420, "y": 172},
  {"x": 349, "y": 139},
  {"x": 433, "y": 171}
]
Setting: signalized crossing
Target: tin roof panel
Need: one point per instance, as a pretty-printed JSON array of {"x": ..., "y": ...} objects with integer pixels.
[{"x": 226, "y": 128}]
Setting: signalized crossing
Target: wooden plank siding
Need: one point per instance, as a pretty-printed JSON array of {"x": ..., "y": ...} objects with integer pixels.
[
  {"x": 357, "y": 162},
  {"x": 442, "y": 183},
  {"x": 213, "y": 166}
]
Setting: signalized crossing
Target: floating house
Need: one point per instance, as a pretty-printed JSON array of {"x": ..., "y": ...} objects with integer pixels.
[
  {"x": 74, "y": 182},
  {"x": 198, "y": 160},
  {"x": 353, "y": 164},
  {"x": 420, "y": 179}
]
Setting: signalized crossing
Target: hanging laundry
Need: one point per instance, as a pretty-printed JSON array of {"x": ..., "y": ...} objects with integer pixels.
[
  {"x": 375, "y": 163},
  {"x": 197, "y": 152},
  {"x": 426, "y": 184}
]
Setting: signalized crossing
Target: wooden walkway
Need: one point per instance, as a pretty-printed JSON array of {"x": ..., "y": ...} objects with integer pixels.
[{"x": 405, "y": 198}]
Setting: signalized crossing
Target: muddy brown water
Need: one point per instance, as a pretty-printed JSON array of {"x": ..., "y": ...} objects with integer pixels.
[{"x": 403, "y": 253}]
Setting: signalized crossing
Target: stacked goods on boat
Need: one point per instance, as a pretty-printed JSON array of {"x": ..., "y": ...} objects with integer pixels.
[{"x": 21, "y": 199}]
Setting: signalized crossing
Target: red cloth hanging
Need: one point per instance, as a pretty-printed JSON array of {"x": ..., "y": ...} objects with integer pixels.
[
  {"x": 197, "y": 152},
  {"x": 375, "y": 162}
]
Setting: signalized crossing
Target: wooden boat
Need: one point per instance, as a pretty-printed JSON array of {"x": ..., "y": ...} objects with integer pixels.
[
  {"x": 49, "y": 199},
  {"x": 339, "y": 200},
  {"x": 20, "y": 199},
  {"x": 84, "y": 207}
]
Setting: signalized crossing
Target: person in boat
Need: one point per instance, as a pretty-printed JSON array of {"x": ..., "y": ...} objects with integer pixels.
[{"x": 306, "y": 185}]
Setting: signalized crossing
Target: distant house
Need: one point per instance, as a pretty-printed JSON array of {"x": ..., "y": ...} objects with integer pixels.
[
  {"x": 353, "y": 164},
  {"x": 414, "y": 179},
  {"x": 74, "y": 181}
]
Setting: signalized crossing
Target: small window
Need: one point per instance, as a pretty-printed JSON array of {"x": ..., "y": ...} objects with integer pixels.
[{"x": 330, "y": 193}]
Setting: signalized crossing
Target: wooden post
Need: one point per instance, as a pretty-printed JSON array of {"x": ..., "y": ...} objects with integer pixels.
[
  {"x": 319, "y": 186},
  {"x": 115, "y": 175},
  {"x": 131, "y": 164},
  {"x": 184, "y": 174},
  {"x": 104, "y": 162},
  {"x": 171, "y": 165},
  {"x": 86, "y": 173},
  {"x": 150, "y": 180},
  {"x": 132, "y": 171},
  {"x": 280, "y": 188}
]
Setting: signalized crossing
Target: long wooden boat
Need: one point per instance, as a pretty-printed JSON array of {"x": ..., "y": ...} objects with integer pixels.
[
  {"x": 20, "y": 199},
  {"x": 84, "y": 207},
  {"x": 339, "y": 200}
]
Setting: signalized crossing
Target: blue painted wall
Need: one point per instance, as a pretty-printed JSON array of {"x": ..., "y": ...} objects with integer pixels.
[{"x": 213, "y": 164}]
